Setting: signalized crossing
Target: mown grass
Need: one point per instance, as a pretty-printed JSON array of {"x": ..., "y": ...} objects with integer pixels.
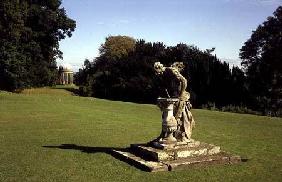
[{"x": 52, "y": 117}]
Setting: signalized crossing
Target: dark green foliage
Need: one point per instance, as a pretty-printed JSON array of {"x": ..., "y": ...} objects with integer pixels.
[
  {"x": 116, "y": 47},
  {"x": 132, "y": 77},
  {"x": 262, "y": 59},
  {"x": 30, "y": 31}
]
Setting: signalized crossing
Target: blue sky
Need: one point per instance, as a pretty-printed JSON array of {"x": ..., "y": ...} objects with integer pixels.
[{"x": 223, "y": 24}]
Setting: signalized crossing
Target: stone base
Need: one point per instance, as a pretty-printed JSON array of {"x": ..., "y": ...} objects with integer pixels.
[{"x": 149, "y": 158}]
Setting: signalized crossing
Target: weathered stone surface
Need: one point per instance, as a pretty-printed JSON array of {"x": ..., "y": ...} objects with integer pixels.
[
  {"x": 177, "y": 152},
  {"x": 178, "y": 164},
  {"x": 178, "y": 144},
  {"x": 138, "y": 162},
  {"x": 151, "y": 153},
  {"x": 177, "y": 119}
]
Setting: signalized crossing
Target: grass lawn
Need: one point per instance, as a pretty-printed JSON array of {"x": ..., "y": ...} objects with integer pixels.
[{"x": 52, "y": 117}]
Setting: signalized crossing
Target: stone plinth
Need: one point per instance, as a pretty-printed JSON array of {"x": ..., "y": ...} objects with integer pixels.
[
  {"x": 150, "y": 158},
  {"x": 177, "y": 152}
]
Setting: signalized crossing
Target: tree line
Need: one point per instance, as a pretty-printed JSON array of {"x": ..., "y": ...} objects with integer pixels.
[{"x": 124, "y": 71}]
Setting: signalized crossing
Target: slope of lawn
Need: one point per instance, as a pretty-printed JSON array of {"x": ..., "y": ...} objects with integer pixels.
[{"x": 35, "y": 123}]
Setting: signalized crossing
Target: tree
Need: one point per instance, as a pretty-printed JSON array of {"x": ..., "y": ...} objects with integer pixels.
[
  {"x": 116, "y": 47},
  {"x": 262, "y": 60},
  {"x": 30, "y": 31}
]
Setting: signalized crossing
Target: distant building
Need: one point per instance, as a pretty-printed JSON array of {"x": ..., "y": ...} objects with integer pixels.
[{"x": 65, "y": 74}]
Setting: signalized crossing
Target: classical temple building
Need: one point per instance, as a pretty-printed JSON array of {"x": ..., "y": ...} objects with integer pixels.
[{"x": 65, "y": 74}]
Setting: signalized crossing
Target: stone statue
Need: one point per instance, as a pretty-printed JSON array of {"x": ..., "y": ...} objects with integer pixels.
[
  {"x": 176, "y": 87},
  {"x": 174, "y": 148}
]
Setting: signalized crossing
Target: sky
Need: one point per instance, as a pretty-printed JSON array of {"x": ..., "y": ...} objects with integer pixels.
[{"x": 223, "y": 24}]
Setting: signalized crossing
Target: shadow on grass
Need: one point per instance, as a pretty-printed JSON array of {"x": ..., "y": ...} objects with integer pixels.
[
  {"x": 87, "y": 149},
  {"x": 107, "y": 150}
]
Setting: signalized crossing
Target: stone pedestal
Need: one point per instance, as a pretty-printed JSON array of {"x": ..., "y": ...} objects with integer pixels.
[
  {"x": 149, "y": 158},
  {"x": 169, "y": 123}
]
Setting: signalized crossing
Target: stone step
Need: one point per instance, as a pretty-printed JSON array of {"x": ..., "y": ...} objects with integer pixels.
[
  {"x": 177, "y": 152},
  {"x": 146, "y": 165},
  {"x": 219, "y": 158},
  {"x": 179, "y": 164}
]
